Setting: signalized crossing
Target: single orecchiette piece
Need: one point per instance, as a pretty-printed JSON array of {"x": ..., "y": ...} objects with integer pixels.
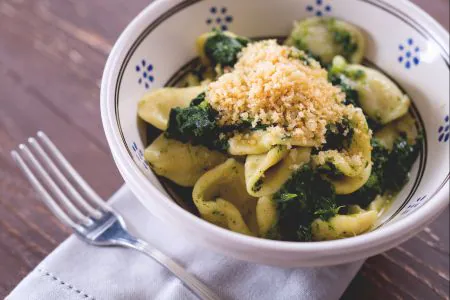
[
  {"x": 379, "y": 97},
  {"x": 256, "y": 142},
  {"x": 365, "y": 217},
  {"x": 261, "y": 141},
  {"x": 179, "y": 162},
  {"x": 353, "y": 164},
  {"x": 266, "y": 173},
  {"x": 342, "y": 226},
  {"x": 155, "y": 106},
  {"x": 389, "y": 133},
  {"x": 222, "y": 199},
  {"x": 326, "y": 37},
  {"x": 266, "y": 215},
  {"x": 347, "y": 185}
]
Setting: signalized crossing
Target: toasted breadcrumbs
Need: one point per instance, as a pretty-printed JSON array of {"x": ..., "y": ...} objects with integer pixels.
[{"x": 271, "y": 85}]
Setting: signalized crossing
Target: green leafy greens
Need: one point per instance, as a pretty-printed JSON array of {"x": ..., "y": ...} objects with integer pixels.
[
  {"x": 222, "y": 49},
  {"x": 339, "y": 135},
  {"x": 390, "y": 171},
  {"x": 307, "y": 195},
  {"x": 196, "y": 124},
  {"x": 400, "y": 161},
  {"x": 303, "y": 198}
]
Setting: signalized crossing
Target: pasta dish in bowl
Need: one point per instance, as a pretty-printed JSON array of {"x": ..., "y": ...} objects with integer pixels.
[
  {"x": 285, "y": 141},
  {"x": 293, "y": 134}
]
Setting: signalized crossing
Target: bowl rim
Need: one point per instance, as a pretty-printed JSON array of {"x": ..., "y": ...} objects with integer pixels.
[{"x": 393, "y": 234}]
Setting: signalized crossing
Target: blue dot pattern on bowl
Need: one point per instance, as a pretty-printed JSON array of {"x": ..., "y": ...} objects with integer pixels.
[
  {"x": 413, "y": 205},
  {"x": 319, "y": 7},
  {"x": 444, "y": 131},
  {"x": 409, "y": 54},
  {"x": 140, "y": 155},
  {"x": 145, "y": 71},
  {"x": 219, "y": 18}
]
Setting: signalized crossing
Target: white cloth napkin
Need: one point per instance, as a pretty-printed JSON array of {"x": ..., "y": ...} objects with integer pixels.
[{"x": 76, "y": 270}]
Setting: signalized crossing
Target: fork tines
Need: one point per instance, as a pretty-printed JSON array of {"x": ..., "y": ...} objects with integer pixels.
[{"x": 52, "y": 176}]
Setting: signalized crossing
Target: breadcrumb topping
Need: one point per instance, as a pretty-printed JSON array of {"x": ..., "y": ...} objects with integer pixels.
[{"x": 272, "y": 85}]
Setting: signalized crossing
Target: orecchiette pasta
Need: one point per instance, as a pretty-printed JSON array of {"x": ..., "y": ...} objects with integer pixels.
[
  {"x": 221, "y": 198},
  {"x": 347, "y": 185},
  {"x": 326, "y": 38},
  {"x": 266, "y": 173},
  {"x": 355, "y": 209},
  {"x": 179, "y": 162},
  {"x": 261, "y": 141},
  {"x": 356, "y": 222},
  {"x": 379, "y": 203},
  {"x": 155, "y": 106},
  {"x": 256, "y": 167},
  {"x": 353, "y": 163},
  {"x": 389, "y": 133},
  {"x": 277, "y": 143},
  {"x": 257, "y": 142},
  {"x": 266, "y": 215},
  {"x": 342, "y": 226},
  {"x": 379, "y": 97}
]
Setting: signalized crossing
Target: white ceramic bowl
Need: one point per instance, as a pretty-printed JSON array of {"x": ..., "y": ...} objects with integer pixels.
[{"x": 402, "y": 40}]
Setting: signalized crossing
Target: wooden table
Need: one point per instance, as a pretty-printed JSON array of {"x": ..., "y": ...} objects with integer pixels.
[{"x": 52, "y": 54}]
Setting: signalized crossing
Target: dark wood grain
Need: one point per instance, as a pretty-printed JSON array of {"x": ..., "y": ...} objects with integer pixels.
[{"x": 52, "y": 54}]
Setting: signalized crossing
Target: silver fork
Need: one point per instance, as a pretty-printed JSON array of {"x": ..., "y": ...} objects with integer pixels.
[{"x": 94, "y": 221}]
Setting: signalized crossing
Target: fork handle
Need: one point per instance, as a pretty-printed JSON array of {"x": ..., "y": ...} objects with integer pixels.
[{"x": 192, "y": 283}]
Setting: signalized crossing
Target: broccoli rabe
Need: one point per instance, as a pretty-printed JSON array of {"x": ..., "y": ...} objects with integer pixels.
[
  {"x": 302, "y": 199},
  {"x": 400, "y": 161},
  {"x": 304, "y": 233},
  {"x": 223, "y": 49},
  {"x": 196, "y": 124},
  {"x": 197, "y": 75},
  {"x": 244, "y": 126},
  {"x": 390, "y": 171},
  {"x": 339, "y": 135},
  {"x": 198, "y": 100},
  {"x": 329, "y": 169},
  {"x": 307, "y": 196}
]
